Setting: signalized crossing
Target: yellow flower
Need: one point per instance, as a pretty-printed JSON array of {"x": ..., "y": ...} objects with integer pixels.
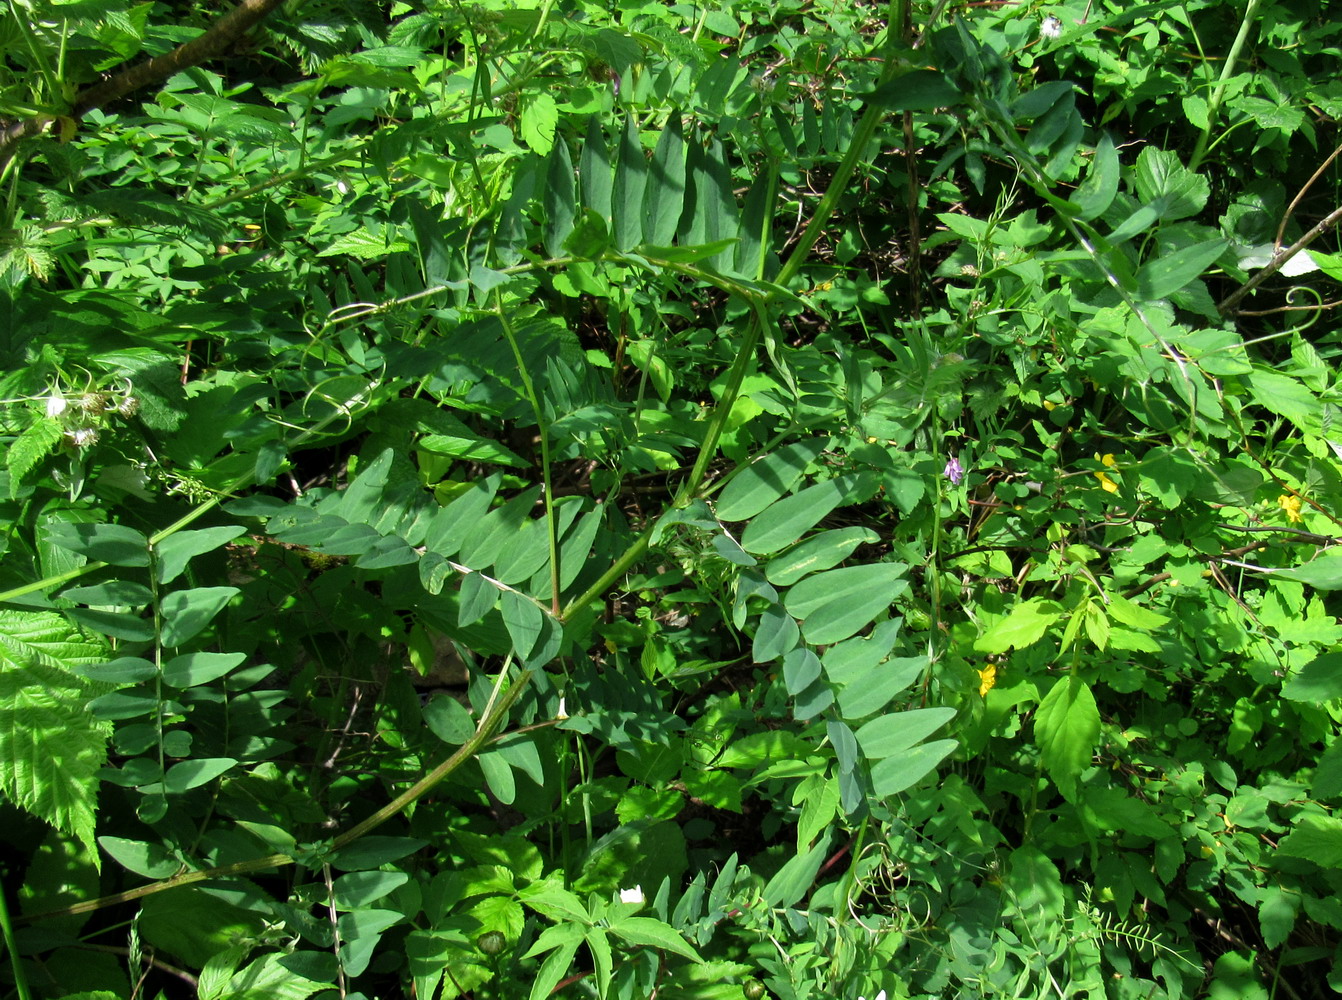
[
  {"x": 1290, "y": 503},
  {"x": 987, "y": 679},
  {"x": 1050, "y": 405},
  {"x": 1107, "y": 484}
]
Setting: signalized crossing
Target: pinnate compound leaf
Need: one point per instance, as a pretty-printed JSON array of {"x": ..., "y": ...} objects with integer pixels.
[
  {"x": 50, "y": 746},
  {"x": 1066, "y": 727},
  {"x": 840, "y": 602}
]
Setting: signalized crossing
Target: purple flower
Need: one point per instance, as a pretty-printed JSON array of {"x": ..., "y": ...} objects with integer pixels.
[{"x": 954, "y": 471}]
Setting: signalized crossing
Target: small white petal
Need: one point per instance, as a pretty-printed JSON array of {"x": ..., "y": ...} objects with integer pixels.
[
  {"x": 634, "y": 895},
  {"x": 56, "y": 405}
]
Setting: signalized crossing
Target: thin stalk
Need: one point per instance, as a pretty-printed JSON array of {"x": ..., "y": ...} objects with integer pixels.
[
  {"x": 1227, "y": 71},
  {"x": 484, "y": 733},
  {"x": 15, "y": 962},
  {"x": 544, "y": 425}
]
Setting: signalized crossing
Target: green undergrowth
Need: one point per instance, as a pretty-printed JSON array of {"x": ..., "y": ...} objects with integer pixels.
[{"x": 764, "y": 498}]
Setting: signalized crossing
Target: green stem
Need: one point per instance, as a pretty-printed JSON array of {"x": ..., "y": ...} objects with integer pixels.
[
  {"x": 15, "y": 962},
  {"x": 484, "y": 733},
  {"x": 544, "y": 425},
  {"x": 1227, "y": 71}
]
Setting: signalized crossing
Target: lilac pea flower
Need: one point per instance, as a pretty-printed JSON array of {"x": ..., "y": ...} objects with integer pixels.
[{"x": 954, "y": 471}]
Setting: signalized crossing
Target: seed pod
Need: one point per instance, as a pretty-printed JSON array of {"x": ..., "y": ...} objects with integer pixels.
[{"x": 491, "y": 942}]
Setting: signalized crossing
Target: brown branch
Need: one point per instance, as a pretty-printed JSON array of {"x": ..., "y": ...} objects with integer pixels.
[
  {"x": 214, "y": 41},
  {"x": 1227, "y": 305}
]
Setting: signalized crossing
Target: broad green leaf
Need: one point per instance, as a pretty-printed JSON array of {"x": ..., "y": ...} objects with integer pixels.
[
  {"x": 553, "y": 969},
  {"x": 631, "y": 180},
  {"x": 819, "y": 552},
  {"x": 150, "y": 860},
  {"x": 594, "y": 171},
  {"x": 539, "y": 117},
  {"x": 123, "y": 670},
  {"x": 891, "y": 734},
  {"x": 449, "y": 720},
  {"x": 113, "y": 593},
  {"x": 550, "y": 899},
  {"x": 776, "y": 634},
  {"x": 274, "y": 977},
  {"x": 1066, "y": 727},
  {"x": 1160, "y": 178},
  {"x": 560, "y": 199},
  {"x": 357, "y": 889},
  {"x": 186, "y": 612},
  {"x": 895, "y": 774},
  {"x": 461, "y": 519},
  {"x": 766, "y": 479},
  {"x": 1315, "y": 838},
  {"x": 1164, "y": 275},
  {"x": 523, "y": 621},
  {"x": 920, "y": 90},
  {"x": 194, "y": 773},
  {"x": 797, "y": 876},
  {"x": 51, "y": 748},
  {"x": 1096, "y": 193},
  {"x": 1319, "y": 680},
  {"x": 784, "y": 521},
  {"x": 664, "y": 196},
  {"x": 499, "y": 776},
  {"x": 1023, "y": 626},
  {"x": 840, "y": 602},
  {"x": 360, "y": 932},
  {"x": 175, "y": 551},
  {"x": 110, "y": 543},
  {"x": 191, "y": 669},
  {"x": 1323, "y": 573},
  {"x": 1276, "y": 915},
  {"x": 368, "y": 853},
  {"x": 801, "y": 667},
  {"x": 652, "y": 933}
]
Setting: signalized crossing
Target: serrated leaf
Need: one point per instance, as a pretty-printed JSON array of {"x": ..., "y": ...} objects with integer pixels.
[
  {"x": 1316, "y": 838},
  {"x": 1318, "y": 681},
  {"x": 540, "y": 114},
  {"x": 28, "y": 449},
  {"x": 1066, "y": 726},
  {"x": 51, "y": 748},
  {"x": 1023, "y": 626},
  {"x": 653, "y": 933}
]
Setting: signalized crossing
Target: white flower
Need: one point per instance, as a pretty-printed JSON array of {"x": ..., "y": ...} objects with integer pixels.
[
  {"x": 635, "y": 895},
  {"x": 561, "y": 712},
  {"x": 81, "y": 437},
  {"x": 1051, "y": 28},
  {"x": 56, "y": 405},
  {"x": 879, "y": 996}
]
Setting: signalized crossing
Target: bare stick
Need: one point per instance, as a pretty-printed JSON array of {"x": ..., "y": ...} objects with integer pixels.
[
  {"x": 1227, "y": 306},
  {"x": 214, "y": 41}
]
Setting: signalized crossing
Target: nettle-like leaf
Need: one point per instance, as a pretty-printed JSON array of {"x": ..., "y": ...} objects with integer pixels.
[{"x": 50, "y": 746}]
